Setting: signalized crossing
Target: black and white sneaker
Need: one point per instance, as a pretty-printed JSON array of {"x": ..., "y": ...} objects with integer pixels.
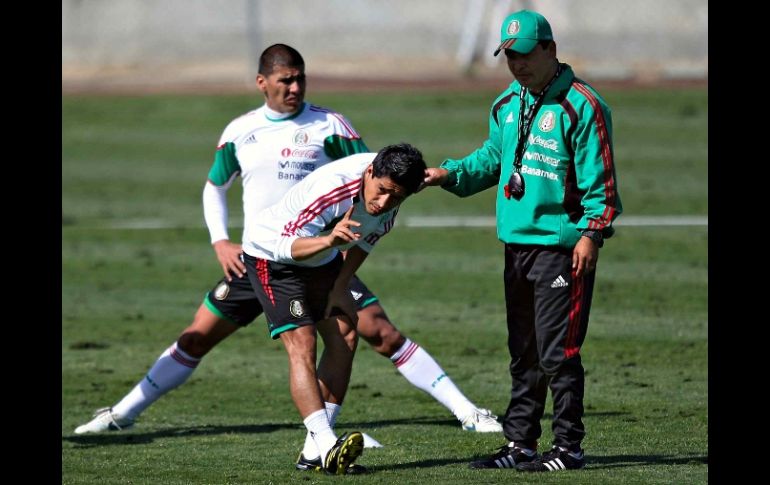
[
  {"x": 559, "y": 458},
  {"x": 508, "y": 456}
]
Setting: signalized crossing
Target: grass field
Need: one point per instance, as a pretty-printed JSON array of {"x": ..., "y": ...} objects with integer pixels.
[{"x": 127, "y": 293}]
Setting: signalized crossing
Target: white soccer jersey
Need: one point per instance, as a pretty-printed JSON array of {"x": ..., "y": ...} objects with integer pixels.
[
  {"x": 272, "y": 155},
  {"x": 312, "y": 208}
]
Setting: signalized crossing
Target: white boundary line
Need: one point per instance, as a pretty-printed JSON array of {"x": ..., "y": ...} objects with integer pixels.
[{"x": 443, "y": 221}]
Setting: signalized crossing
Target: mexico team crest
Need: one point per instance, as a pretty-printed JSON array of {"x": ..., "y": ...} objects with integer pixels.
[
  {"x": 513, "y": 28},
  {"x": 221, "y": 291},
  {"x": 547, "y": 121},
  {"x": 301, "y": 138},
  {"x": 296, "y": 308}
]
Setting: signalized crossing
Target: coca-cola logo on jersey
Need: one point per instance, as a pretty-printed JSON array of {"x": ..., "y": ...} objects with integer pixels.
[{"x": 299, "y": 153}]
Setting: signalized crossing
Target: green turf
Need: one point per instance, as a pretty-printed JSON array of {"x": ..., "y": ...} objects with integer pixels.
[{"x": 126, "y": 295}]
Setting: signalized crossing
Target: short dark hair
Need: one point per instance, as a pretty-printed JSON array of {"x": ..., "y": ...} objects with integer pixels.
[
  {"x": 279, "y": 55},
  {"x": 403, "y": 164}
]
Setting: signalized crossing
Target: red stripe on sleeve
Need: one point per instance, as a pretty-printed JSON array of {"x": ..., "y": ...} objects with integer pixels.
[
  {"x": 320, "y": 204},
  {"x": 610, "y": 192}
]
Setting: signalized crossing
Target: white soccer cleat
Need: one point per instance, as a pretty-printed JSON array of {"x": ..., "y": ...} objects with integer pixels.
[
  {"x": 104, "y": 420},
  {"x": 482, "y": 421},
  {"x": 370, "y": 442}
]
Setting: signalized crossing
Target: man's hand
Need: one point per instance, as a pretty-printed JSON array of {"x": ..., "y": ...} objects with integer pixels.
[
  {"x": 306, "y": 247},
  {"x": 342, "y": 232},
  {"x": 229, "y": 256},
  {"x": 435, "y": 176},
  {"x": 584, "y": 256}
]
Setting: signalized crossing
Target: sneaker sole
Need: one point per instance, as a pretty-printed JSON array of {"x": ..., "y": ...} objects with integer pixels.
[
  {"x": 109, "y": 429},
  {"x": 349, "y": 451},
  {"x": 474, "y": 429},
  {"x": 353, "y": 469}
]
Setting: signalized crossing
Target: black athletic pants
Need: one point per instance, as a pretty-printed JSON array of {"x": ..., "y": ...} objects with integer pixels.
[{"x": 547, "y": 313}]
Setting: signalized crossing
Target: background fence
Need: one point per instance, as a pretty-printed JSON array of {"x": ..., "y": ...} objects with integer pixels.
[{"x": 154, "y": 42}]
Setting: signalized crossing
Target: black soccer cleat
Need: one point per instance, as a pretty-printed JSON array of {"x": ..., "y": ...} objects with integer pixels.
[
  {"x": 506, "y": 457},
  {"x": 348, "y": 447},
  {"x": 555, "y": 460},
  {"x": 308, "y": 465},
  {"x": 315, "y": 466}
]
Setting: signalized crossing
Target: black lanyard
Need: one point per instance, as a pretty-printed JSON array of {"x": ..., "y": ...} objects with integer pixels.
[{"x": 515, "y": 187}]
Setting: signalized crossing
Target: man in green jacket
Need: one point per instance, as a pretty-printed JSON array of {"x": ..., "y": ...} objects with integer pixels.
[{"x": 550, "y": 153}]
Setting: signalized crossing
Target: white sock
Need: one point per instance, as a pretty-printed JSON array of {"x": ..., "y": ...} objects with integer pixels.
[
  {"x": 419, "y": 368},
  {"x": 172, "y": 368},
  {"x": 311, "y": 449},
  {"x": 317, "y": 423}
]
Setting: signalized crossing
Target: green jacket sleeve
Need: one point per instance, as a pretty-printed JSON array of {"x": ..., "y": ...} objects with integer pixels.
[
  {"x": 478, "y": 171},
  {"x": 595, "y": 170}
]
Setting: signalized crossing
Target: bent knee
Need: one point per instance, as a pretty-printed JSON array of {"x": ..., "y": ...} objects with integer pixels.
[
  {"x": 195, "y": 344},
  {"x": 382, "y": 335}
]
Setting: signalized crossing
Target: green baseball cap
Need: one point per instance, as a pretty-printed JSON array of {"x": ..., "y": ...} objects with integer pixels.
[{"x": 522, "y": 30}]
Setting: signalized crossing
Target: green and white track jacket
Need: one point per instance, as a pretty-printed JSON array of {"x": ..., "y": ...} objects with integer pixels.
[{"x": 568, "y": 166}]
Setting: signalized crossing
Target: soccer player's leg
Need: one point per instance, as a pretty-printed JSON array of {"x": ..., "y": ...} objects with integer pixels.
[
  {"x": 227, "y": 307},
  {"x": 415, "y": 363},
  {"x": 294, "y": 299}
]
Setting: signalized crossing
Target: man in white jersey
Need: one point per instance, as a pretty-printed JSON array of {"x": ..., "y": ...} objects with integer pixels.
[
  {"x": 272, "y": 148},
  {"x": 293, "y": 257}
]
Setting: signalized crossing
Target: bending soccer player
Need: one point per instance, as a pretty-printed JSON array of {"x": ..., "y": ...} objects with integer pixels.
[{"x": 292, "y": 254}]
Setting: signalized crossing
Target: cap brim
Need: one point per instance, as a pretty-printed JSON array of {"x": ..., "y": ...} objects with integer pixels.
[{"x": 522, "y": 46}]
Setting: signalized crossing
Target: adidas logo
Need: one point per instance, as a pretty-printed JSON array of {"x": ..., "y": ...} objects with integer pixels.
[
  {"x": 559, "y": 282},
  {"x": 356, "y": 295},
  {"x": 250, "y": 139}
]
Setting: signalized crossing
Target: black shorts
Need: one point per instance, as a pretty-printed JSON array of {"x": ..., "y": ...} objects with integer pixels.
[
  {"x": 291, "y": 296},
  {"x": 361, "y": 293},
  {"x": 237, "y": 302},
  {"x": 234, "y": 301}
]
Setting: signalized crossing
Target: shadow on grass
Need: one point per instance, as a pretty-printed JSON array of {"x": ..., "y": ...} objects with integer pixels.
[
  {"x": 621, "y": 461},
  {"x": 593, "y": 462},
  {"x": 137, "y": 437}
]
